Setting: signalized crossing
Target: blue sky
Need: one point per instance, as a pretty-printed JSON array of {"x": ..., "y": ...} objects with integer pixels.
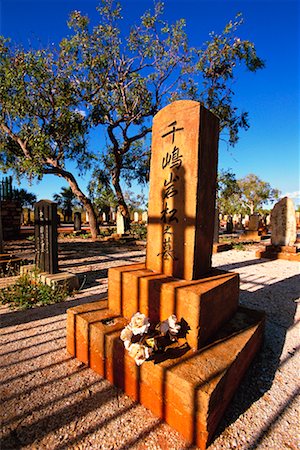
[{"x": 270, "y": 148}]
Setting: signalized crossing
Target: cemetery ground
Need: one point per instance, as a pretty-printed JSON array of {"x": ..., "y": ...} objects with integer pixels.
[{"x": 51, "y": 401}]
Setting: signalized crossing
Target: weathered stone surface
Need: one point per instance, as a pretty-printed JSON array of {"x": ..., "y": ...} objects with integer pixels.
[
  {"x": 190, "y": 390},
  {"x": 283, "y": 223},
  {"x": 45, "y": 236},
  {"x": 205, "y": 304},
  {"x": 254, "y": 222},
  {"x": 120, "y": 223},
  {"x": 182, "y": 190}
]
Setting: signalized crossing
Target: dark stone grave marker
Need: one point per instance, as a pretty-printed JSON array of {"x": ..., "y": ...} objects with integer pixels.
[{"x": 45, "y": 230}]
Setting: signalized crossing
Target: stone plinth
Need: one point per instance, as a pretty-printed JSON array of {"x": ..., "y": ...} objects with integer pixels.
[
  {"x": 286, "y": 252},
  {"x": 135, "y": 288},
  {"x": 249, "y": 235},
  {"x": 190, "y": 390},
  {"x": 60, "y": 278},
  {"x": 221, "y": 247}
]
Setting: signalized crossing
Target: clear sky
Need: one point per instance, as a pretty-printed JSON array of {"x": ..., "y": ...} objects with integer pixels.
[{"x": 270, "y": 148}]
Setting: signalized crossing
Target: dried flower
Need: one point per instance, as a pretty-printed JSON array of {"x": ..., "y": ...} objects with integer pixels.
[
  {"x": 169, "y": 325},
  {"x": 126, "y": 335},
  {"x": 139, "y": 323},
  {"x": 139, "y": 353}
]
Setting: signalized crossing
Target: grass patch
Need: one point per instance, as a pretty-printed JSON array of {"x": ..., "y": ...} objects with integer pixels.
[
  {"x": 239, "y": 246},
  {"x": 25, "y": 294}
]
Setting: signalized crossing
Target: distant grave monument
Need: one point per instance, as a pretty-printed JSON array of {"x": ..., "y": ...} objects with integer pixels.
[
  {"x": 77, "y": 221},
  {"x": 252, "y": 234},
  {"x": 191, "y": 389},
  {"x": 136, "y": 217},
  {"x": 283, "y": 233},
  {"x": 46, "y": 248},
  {"x": 219, "y": 246},
  {"x": 145, "y": 217},
  {"x": 120, "y": 223},
  {"x": 45, "y": 234}
]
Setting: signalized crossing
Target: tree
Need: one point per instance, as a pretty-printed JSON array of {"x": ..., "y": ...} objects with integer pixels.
[
  {"x": 100, "y": 191},
  {"x": 26, "y": 199},
  {"x": 255, "y": 192},
  {"x": 228, "y": 198},
  {"x": 127, "y": 81},
  {"x": 120, "y": 83},
  {"x": 66, "y": 200},
  {"x": 41, "y": 126}
]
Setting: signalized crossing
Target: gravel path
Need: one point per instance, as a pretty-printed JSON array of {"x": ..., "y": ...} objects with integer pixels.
[{"x": 51, "y": 401}]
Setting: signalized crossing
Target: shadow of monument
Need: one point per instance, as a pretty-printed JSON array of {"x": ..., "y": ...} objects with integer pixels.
[{"x": 273, "y": 299}]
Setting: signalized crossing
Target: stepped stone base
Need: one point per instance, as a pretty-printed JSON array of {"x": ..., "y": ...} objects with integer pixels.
[
  {"x": 135, "y": 288},
  {"x": 61, "y": 278},
  {"x": 249, "y": 235},
  {"x": 188, "y": 389},
  {"x": 219, "y": 247},
  {"x": 286, "y": 252}
]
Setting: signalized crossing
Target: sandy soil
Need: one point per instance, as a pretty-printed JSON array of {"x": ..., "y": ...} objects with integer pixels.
[{"x": 51, "y": 401}]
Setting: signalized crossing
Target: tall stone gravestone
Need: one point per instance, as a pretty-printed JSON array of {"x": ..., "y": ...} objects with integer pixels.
[
  {"x": 77, "y": 221},
  {"x": 120, "y": 223},
  {"x": 190, "y": 392},
  {"x": 283, "y": 233},
  {"x": 182, "y": 191},
  {"x": 45, "y": 230},
  {"x": 283, "y": 223}
]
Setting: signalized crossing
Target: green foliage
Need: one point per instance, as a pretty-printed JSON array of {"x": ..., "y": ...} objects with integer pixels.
[
  {"x": 66, "y": 200},
  {"x": 25, "y": 198},
  {"x": 244, "y": 196},
  {"x": 26, "y": 294},
  {"x": 228, "y": 199},
  {"x": 101, "y": 192},
  {"x": 98, "y": 78},
  {"x": 139, "y": 231},
  {"x": 255, "y": 192}
]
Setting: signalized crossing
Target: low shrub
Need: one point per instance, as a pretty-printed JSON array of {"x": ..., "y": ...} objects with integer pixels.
[{"x": 26, "y": 294}]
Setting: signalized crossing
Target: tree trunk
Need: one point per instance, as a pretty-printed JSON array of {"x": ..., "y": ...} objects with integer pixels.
[
  {"x": 86, "y": 202},
  {"x": 121, "y": 201}
]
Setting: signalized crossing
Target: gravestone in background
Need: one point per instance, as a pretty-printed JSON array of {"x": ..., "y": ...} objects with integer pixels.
[
  {"x": 136, "y": 216},
  {"x": 120, "y": 223},
  {"x": 191, "y": 388},
  {"x": 283, "y": 233},
  {"x": 145, "y": 217},
  {"x": 254, "y": 222},
  {"x": 283, "y": 223},
  {"x": 45, "y": 231},
  {"x": 77, "y": 221}
]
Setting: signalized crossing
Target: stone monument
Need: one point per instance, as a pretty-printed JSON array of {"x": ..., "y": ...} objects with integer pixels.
[
  {"x": 45, "y": 236},
  {"x": 191, "y": 390},
  {"x": 46, "y": 248},
  {"x": 219, "y": 246},
  {"x": 120, "y": 223},
  {"x": 284, "y": 233},
  {"x": 252, "y": 234},
  {"x": 77, "y": 221}
]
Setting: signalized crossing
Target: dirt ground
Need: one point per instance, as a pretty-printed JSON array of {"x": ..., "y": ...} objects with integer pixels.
[{"x": 51, "y": 401}]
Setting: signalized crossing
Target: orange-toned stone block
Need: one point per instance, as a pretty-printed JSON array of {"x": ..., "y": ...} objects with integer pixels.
[
  {"x": 190, "y": 391},
  {"x": 115, "y": 281},
  {"x": 205, "y": 304},
  {"x": 100, "y": 349},
  {"x": 71, "y": 321}
]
